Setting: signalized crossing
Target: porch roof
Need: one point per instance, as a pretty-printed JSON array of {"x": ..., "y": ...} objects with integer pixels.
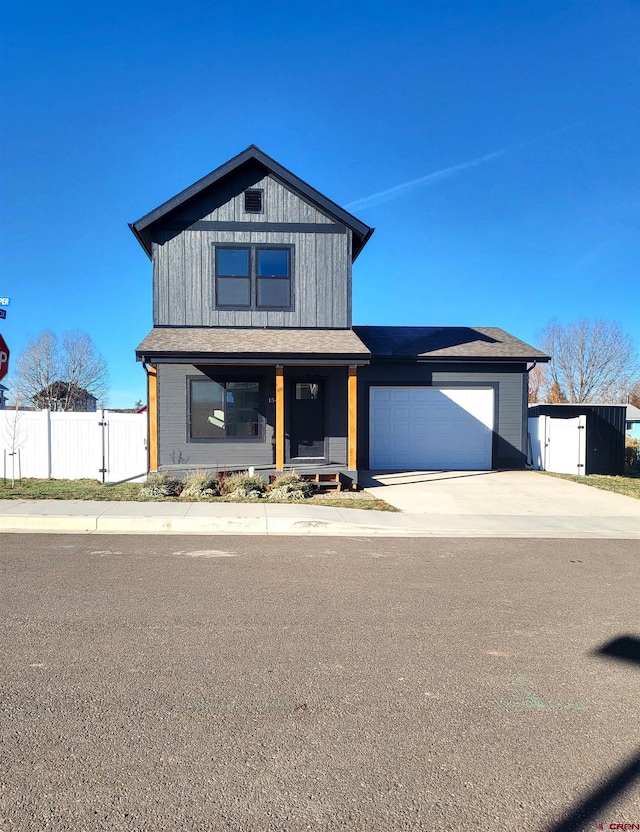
[{"x": 219, "y": 344}]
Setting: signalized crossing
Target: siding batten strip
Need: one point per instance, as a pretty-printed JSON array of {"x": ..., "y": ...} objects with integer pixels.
[
  {"x": 279, "y": 417},
  {"x": 353, "y": 417},
  {"x": 152, "y": 399}
]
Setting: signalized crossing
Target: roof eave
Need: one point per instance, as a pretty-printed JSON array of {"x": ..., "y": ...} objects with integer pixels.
[
  {"x": 140, "y": 239},
  {"x": 463, "y": 358},
  {"x": 364, "y": 241},
  {"x": 248, "y": 359}
]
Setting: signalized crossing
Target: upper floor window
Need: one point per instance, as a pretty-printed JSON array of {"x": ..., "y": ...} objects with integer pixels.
[{"x": 253, "y": 277}]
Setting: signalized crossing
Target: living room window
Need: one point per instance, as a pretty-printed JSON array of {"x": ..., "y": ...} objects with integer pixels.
[
  {"x": 224, "y": 410},
  {"x": 253, "y": 277}
]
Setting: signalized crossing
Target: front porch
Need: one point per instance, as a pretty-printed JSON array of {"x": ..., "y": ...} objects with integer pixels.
[{"x": 298, "y": 416}]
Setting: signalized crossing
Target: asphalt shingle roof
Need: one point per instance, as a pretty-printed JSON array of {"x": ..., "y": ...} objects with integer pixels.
[
  {"x": 457, "y": 342},
  {"x": 221, "y": 341}
]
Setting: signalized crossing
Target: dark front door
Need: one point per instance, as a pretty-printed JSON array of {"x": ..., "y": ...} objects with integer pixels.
[{"x": 306, "y": 420}]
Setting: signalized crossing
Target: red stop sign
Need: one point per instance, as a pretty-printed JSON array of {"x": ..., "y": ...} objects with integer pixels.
[{"x": 4, "y": 358}]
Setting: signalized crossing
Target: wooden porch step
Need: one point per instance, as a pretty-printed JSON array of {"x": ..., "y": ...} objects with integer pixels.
[
  {"x": 330, "y": 481},
  {"x": 326, "y": 482}
]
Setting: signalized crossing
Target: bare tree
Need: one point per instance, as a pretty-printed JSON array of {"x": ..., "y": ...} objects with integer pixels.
[
  {"x": 63, "y": 376},
  {"x": 592, "y": 361},
  {"x": 537, "y": 384},
  {"x": 14, "y": 436},
  {"x": 633, "y": 395}
]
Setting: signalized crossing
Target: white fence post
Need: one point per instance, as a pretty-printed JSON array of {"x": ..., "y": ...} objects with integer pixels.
[{"x": 48, "y": 441}]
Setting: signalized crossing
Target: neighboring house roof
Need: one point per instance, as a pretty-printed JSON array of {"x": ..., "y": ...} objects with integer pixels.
[
  {"x": 458, "y": 343},
  {"x": 222, "y": 342},
  {"x": 59, "y": 389},
  {"x": 632, "y": 412},
  {"x": 143, "y": 227}
]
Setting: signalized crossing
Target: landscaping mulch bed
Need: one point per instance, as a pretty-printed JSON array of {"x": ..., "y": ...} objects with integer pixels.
[{"x": 31, "y": 489}]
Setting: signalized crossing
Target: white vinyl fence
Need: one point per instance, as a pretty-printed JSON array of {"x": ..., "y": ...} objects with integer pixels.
[
  {"x": 106, "y": 446},
  {"x": 557, "y": 445}
]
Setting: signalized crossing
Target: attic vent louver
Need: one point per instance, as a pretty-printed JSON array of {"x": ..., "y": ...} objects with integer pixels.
[{"x": 253, "y": 202}]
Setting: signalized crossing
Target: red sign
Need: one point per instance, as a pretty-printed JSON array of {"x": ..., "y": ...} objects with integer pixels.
[{"x": 4, "y": 358}]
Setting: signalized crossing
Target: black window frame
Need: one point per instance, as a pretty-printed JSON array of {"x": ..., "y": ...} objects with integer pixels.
[
  {"x": 252, "y": 249},
  {"x": 222, "y": 381}
]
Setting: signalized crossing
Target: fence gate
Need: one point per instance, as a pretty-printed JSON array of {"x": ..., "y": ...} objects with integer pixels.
[
  {"x": 125, "y": 446},
  {"x": 558, "y": 445},
  {"x": 566, "y": 445},
  {"x": 105, "y": 446}
]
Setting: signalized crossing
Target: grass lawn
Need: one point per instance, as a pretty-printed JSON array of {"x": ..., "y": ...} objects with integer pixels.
[
  {"x": 630, "y": 486},
  {"x": 29, "y": 489}
]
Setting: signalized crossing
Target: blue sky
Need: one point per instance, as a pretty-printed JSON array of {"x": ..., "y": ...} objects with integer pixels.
[{"x": 493, "y": 145}]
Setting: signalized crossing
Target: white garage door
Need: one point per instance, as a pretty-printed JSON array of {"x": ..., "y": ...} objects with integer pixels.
[{"x": 430, "y": 427}]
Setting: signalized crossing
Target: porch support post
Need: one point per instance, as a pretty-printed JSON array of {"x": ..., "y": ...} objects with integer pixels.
[
  {"x": 152, "y": 408},
  {"x": 353, "y": 418},
  {"x": 279, "y": 417}
]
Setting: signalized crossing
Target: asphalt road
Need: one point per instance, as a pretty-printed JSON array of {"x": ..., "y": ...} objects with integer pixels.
[{"x": 247, "y": 683}]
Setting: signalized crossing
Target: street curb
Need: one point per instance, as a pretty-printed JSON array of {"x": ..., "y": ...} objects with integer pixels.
[
  {"x": 68, "y": 524},
  {"x": 282, "y": 527}
]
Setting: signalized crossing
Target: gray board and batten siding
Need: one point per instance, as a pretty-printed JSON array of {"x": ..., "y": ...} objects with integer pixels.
[
  {"x": 183, "y": 253},
  {"x": 178, "y": 453},
  {"x": 509, "y": 382}
]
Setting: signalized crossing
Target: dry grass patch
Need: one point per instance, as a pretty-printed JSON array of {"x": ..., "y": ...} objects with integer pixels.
[
  {"x": 28, "y": 489},
  {"x": 629, "y": 486}
]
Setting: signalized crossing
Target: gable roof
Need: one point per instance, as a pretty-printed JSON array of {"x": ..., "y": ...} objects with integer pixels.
[
  {"x": 142, "y": 227},
  {"x": 456, "y": 343}
]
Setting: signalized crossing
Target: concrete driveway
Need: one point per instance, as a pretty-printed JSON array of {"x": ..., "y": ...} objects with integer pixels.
[{"x": 505, "y": 502}]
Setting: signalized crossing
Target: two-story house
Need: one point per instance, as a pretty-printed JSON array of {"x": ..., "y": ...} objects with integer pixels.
[{"x": 253, "y": 359}]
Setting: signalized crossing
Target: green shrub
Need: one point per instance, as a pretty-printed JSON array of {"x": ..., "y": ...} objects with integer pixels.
[
  {"x": 243, "y": 487},
  {"x": 200, "y": 485},
  {"x": 161, "y": 485},
  {"x": 290, "y": 487}
]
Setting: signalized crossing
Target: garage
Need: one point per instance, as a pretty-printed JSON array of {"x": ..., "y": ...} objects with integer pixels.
[{"x": 431, "y": 427}]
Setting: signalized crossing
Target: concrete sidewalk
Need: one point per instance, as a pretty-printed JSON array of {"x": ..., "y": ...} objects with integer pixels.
[
  {"x": 198, "y": 518},
  {"x": 79, "y": 516}
]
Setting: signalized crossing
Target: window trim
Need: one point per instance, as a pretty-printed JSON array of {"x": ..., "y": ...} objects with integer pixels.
[
  {"x": 252, "y": 249},
  {"x": 223, "y": 381}
]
